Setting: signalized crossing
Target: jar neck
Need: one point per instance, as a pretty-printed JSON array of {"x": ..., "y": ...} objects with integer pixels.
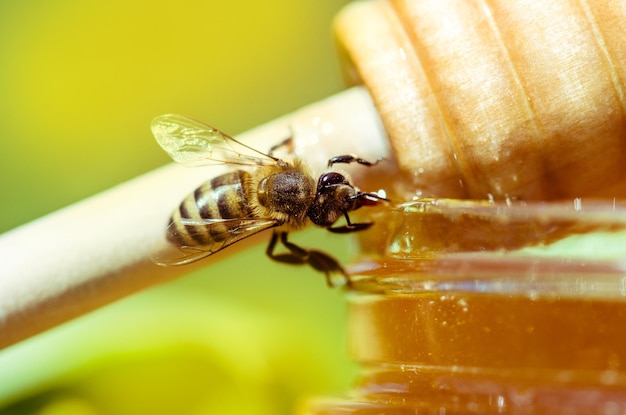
[{"x": 488, "y": 338}]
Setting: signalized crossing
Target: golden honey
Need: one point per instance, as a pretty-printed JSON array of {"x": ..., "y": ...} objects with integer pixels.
[{"x": 456, "y": 315}]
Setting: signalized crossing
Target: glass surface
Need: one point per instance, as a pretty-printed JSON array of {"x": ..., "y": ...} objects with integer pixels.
[{"x": 480, "y": 307}]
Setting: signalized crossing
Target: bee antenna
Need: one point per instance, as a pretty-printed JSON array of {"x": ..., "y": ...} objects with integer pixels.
[
  {"x": 370, "y": 195},
  {"x": 367, "y": 199}
]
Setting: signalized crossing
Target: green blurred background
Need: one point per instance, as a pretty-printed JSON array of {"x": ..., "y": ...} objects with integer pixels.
[{"x": 80, "y": 82}]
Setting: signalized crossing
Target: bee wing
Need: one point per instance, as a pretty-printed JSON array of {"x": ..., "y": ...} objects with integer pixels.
[
  {"x": 194, "y": 143},
  {"x": 225, "y": 232}
]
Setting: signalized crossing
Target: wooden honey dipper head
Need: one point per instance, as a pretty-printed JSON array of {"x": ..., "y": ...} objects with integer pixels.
[{"x": 497, "y": 98}]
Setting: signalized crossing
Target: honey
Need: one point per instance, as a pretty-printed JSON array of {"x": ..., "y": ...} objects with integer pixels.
[{"x": 531, "y": 321}]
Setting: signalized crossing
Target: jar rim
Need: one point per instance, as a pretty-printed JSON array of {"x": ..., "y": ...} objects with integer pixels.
[{"x": 548, "y": 248}]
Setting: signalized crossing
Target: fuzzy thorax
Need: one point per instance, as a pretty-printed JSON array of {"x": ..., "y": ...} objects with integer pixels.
[{"x": 282, "y": 193}]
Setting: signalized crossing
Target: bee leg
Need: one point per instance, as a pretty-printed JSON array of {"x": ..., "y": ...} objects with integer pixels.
[
  {"x": 297, "y": 255},
  {"x": 287, "y": 143},
  {"x": 351, "y": 158},
  {"x": 327, "y": 264},
  {"x": 350, "y": 227}
]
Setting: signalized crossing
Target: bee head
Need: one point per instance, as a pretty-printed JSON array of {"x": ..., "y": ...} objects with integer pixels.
[{"x": 335, "y": 195}]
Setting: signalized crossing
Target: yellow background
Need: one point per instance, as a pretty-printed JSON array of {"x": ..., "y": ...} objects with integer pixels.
[{"x": 79, "y": 83}]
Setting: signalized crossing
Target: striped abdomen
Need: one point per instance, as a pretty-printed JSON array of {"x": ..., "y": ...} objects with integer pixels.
[{"x": 220, "y": 198}]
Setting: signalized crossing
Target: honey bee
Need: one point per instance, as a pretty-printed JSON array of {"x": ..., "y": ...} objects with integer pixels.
[{"x": 266, "y": 192}]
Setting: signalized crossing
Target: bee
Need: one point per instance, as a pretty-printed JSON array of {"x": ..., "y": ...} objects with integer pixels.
[{"x": 265, "y": 192}]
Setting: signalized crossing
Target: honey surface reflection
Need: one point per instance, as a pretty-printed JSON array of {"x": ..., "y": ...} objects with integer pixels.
[{"x": 526, "y": 326}]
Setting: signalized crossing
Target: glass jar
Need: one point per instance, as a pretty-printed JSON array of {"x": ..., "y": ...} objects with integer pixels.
[{"x": 479, "y": 307}]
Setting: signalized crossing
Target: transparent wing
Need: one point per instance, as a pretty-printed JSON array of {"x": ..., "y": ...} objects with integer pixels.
[
  {"x": 194, "y": 143},
  {"x": 223, "y": 233}
]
